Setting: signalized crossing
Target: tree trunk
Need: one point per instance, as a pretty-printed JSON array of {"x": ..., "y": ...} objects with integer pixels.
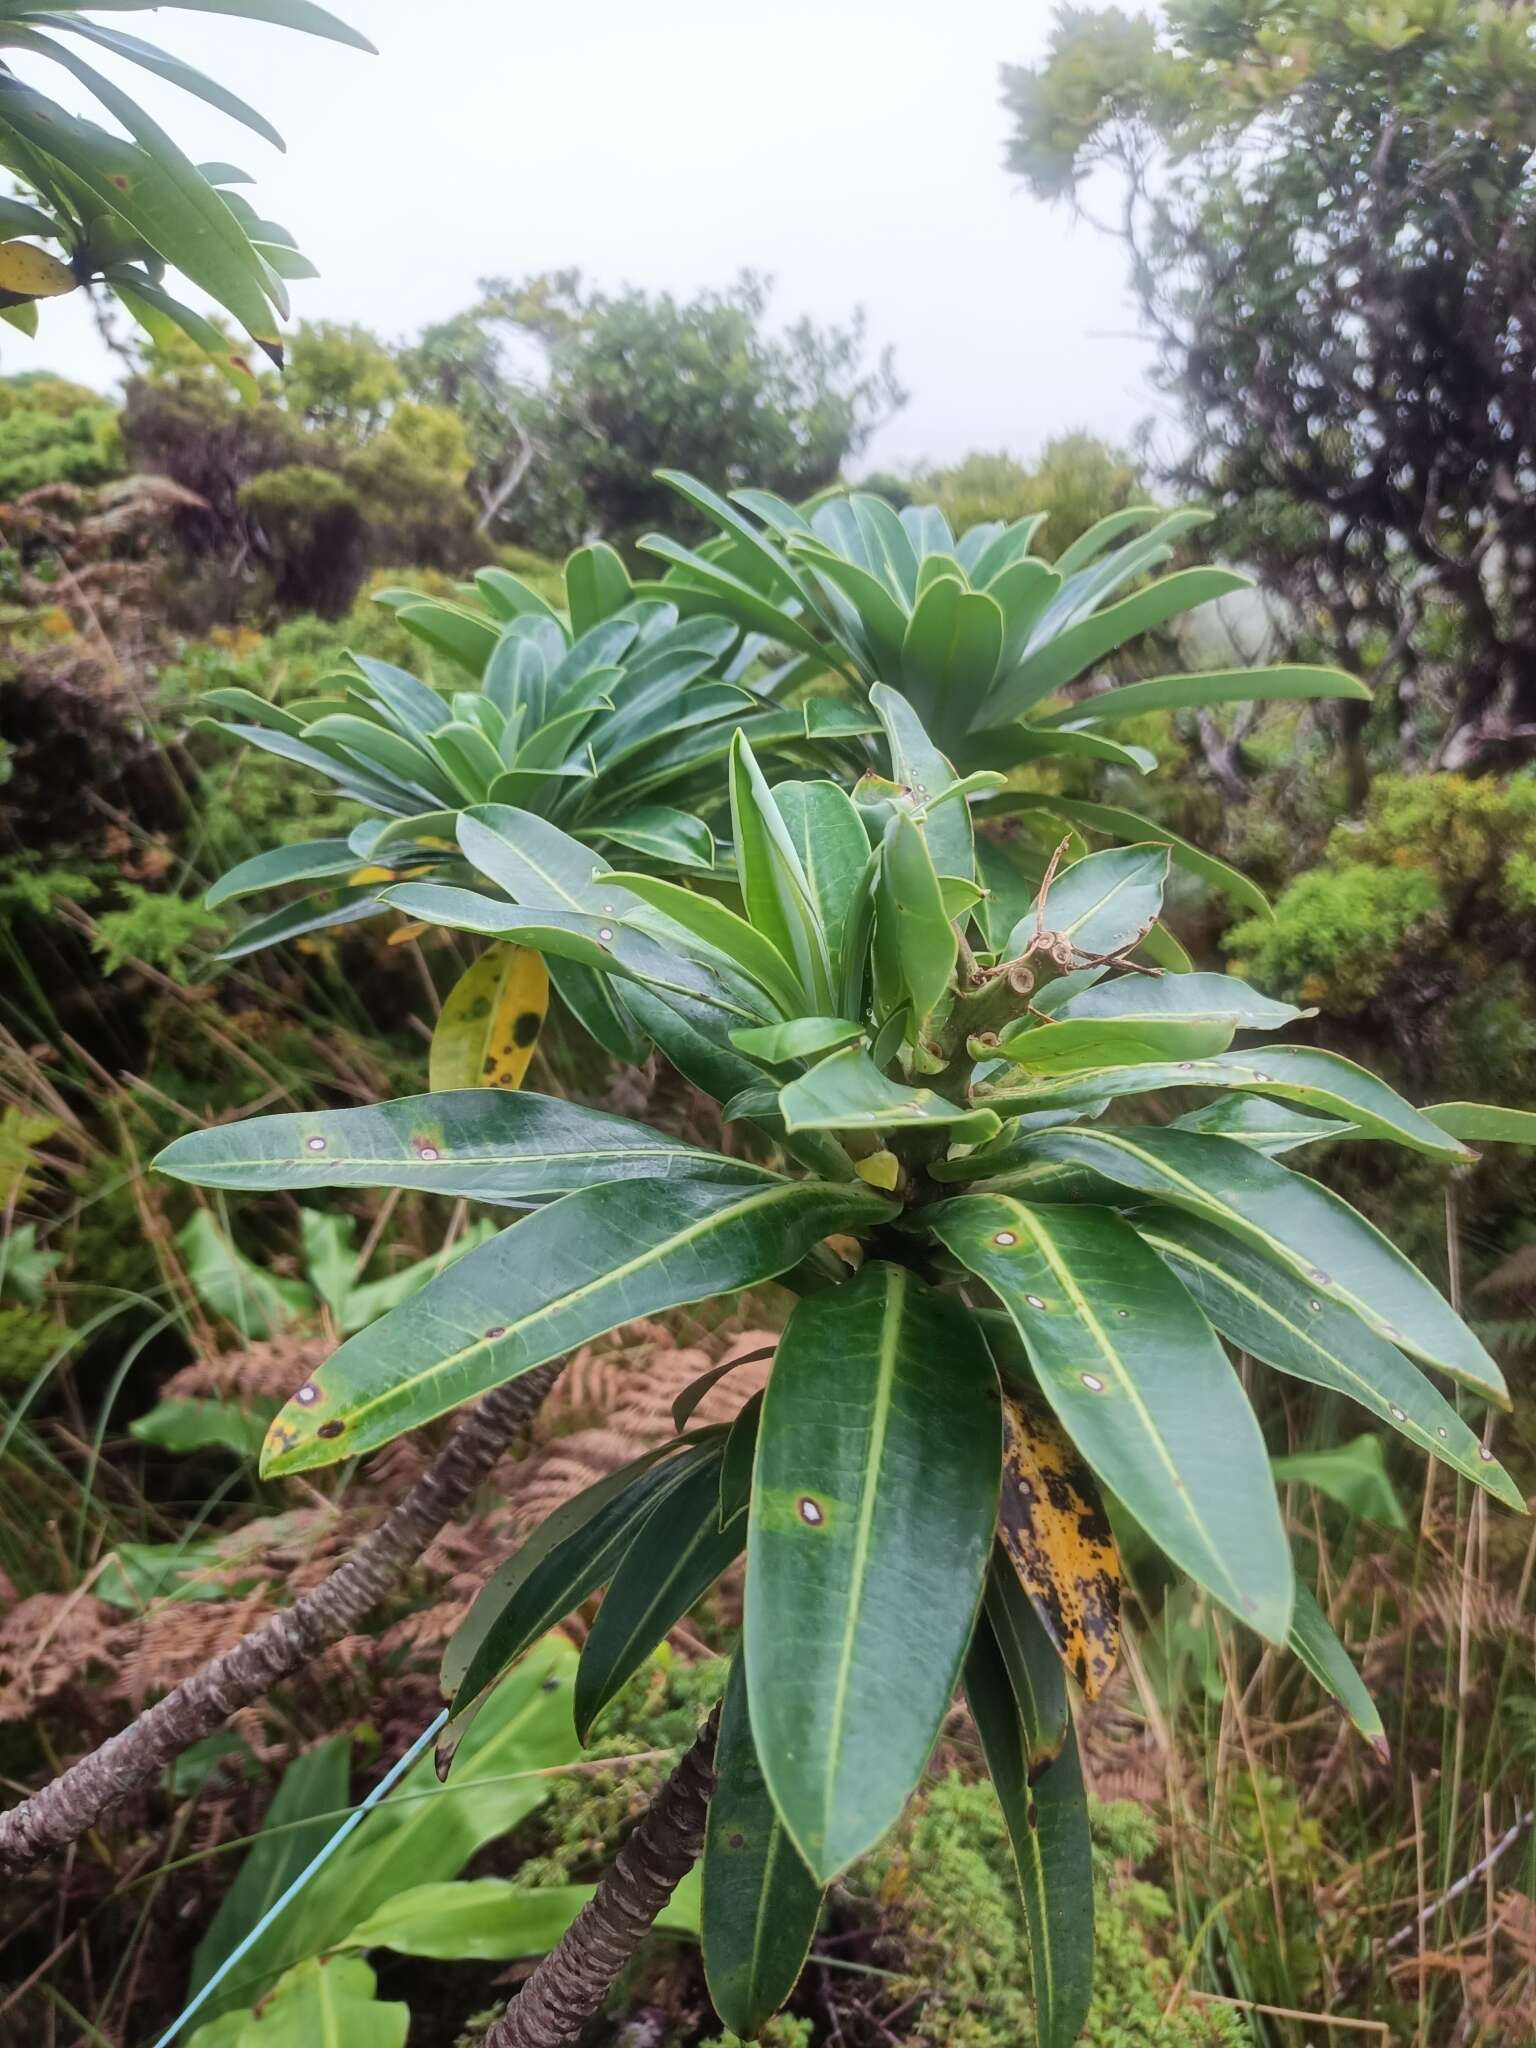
[
  {"x": 569, "y": 1986},
  {"x": 283, "y": 1645}
]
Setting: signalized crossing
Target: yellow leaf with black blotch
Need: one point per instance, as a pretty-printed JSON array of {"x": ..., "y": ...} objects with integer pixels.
[
  {"x": 27, "y": 273},
  {"x": 491, "y": 1021},
  {"x": 1059, "y": 1542}
]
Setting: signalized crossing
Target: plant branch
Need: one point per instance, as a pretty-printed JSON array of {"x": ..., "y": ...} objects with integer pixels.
[
  {"x": 283, "y": 1645},
  {"x": 572, "y": 1981}
]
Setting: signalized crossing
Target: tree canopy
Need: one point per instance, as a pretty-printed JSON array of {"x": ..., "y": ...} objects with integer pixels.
[
  {"x": 575, "y": 397},
  {"x": 1330, "y": 214}
]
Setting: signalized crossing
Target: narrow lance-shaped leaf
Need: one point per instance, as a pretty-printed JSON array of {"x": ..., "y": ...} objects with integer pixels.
[
  {"x": 1046, "y": 1813},
  {"x": 1322, "y": 1081},
  {"x": 873, "y": 1508},
  {"x": 1070, "y": 1047},
  {"x": 760, "y": 1903},
  {"x": 1130, "y": 826},
  {"x": 1307, "y": 1229},
  {"x": 561, "y": 1277},
  {"x": 1180, "y": 998},
  {"x": 1277, "y": 1317},
  {"x": 483, "y": 1145},
  {"x": 490, "y": 1022},
  {"x": 573, "y": 1551},
  {"x": 1136, "y": 1375},
  {"x": 676, "y": 1555},
  {"x": 1313, "y": 1640},
  {"x": 1224, "y": 686}
]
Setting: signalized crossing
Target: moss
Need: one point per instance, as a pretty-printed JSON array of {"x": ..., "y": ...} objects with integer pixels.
[
  {"x": 1336, "y": 933},
  {"x": 947, "y": 1896},
  {"x": 164, "y": 930}
]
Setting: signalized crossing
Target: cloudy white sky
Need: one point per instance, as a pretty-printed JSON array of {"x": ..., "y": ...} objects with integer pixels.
[{"x": 850, "y": 148}]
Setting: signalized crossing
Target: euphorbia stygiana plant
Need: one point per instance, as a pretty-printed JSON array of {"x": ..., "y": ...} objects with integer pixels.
[{"x": 1014, "y": 1309}]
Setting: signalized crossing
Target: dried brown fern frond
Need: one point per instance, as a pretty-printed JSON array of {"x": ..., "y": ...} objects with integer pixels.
[
  {"x": 267, "y": 1370},
  {"x": 49, "y": 1642}
]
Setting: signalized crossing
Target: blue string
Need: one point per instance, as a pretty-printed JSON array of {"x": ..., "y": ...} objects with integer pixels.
[{"x": 353, "y": 1821}]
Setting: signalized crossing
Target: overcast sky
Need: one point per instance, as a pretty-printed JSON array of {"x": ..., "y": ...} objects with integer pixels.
[{"x": 853, "y": 149}]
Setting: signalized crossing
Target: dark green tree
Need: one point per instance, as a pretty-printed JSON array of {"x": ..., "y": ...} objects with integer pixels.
[
  {"x": 575, "y": 397},
  {"x": 1330, "y": 218}
]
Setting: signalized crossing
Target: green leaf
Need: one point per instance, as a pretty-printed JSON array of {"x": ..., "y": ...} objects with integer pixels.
[
  {"x": 300, "y": 1820},
  {"x": 486, "y": 1145},
  {"x": 1036, "y": 1673},
  {"x": 761, "y": 1905},
  {"x": 149, "y": 184},
  {"x": 910, "y": 918},
  {"x": 168, "y": 67},
  {"x": 722, "y": 592},
  {"x": 314, "y": 860},
  {"x": 426, "y": 1831},
  {"x": 873, "y": 1509},
  {"x": 1182, "y": 998},
  {"x": 326, "y": 1999},
  {"x": 1224, "y": 686},
  {"x": 774, "y": 885},
  {"x": 1140, "y": 1383},
  {"x": 564, "y": 1275},
  {"x": 739, "y": 1458},
  {"x": 849, "y": 1092},
  {"x": 597, "y": 1008},
  {"x": 801, "y": 1039},
  {"x": 723, "y": 931},
  {"x": 1353, "y": 1474},
  {"x": 658, "y": 832},
  {"x": 1104, "y": 903},
  {"x": 1314, "y": 1642},
  {"x": 225, "y": 1280},
  {"x": 482, "y": 1919},
  {"x": 1074, "y": 1046},
  {"x": 1128, "y": 825},
  {"x": 303, "y": 15},
  {"x": 596, "y": 586},
  {"x": 672, "y": 1560},
  {"x": 1065, "y": 655},
  {"x": 1293, "y": 1221},
  {"x": 1321, "y": 1080},
  {"x": 1270, "y": 1313},
  {"x": 182, "y": 1426},
  {"x": 1046, "y": 1813},
  {"x": 1484, "y": 1123},
  {"x": 1268, "y": 1126},
  {"x": 917, "y": 764},
  {"x": 833, "y": 848},
  {"x": 574, "y": 1550},
  {"x": 950, "y": 653}
]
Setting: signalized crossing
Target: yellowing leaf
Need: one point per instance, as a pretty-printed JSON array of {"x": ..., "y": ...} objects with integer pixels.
[
  {"x": 881, "y": 1169},
  {"x": 370, "y": 875},
  {"x": 1058, "y": 1539},
  {"x": 491, "y": 1021},
  {"x": 27, "y": 272},
  {"x": 403, "y": 934}
]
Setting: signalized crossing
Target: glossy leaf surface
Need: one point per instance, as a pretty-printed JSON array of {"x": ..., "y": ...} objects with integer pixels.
[
  {"x": 1306, "y": 1228},
  {"x": 486, "y": 1145},
  {"x": 1270, "y": 1312},
  {"x": 562, "y": 1276},
  {"x": 1137, "y": 1377},
  {"x": 760, "y": 1903},
  {"x": 873, "y": 1508}
]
